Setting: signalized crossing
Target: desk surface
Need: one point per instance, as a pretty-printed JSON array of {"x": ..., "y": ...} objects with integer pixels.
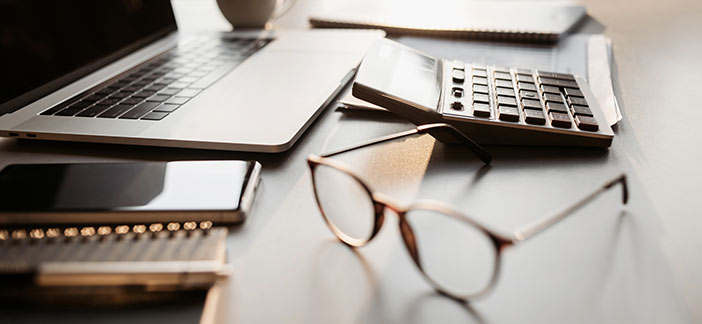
[{"x": 639, "y": 263}]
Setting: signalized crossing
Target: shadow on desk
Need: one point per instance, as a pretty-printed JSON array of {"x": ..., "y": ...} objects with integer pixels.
[{"x": 136, "y": 308}]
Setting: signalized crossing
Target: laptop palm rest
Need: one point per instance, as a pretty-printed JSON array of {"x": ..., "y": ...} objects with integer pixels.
[{"x": 259, "y": 103}]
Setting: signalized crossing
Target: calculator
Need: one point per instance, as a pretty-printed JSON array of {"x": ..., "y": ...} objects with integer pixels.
[{"x": 491, "y": 104}]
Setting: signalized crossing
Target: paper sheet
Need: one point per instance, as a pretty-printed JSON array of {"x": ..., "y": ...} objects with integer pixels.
[{"x": 581, "y": 54}]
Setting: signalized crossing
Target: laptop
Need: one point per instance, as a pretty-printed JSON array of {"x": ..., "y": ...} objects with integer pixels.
[{"x": 115, "y": 71}]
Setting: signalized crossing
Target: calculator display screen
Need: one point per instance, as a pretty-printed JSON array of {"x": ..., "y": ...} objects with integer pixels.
[
  {"x": 416, "y": 78},
  {"x": 152, "y": 186}
]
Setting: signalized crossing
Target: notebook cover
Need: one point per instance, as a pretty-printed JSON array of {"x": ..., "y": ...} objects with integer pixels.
[{"x": 502, "y": 20}]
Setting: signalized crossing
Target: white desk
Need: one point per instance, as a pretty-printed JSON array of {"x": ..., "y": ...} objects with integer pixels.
[{"x": 638, "y": 264}]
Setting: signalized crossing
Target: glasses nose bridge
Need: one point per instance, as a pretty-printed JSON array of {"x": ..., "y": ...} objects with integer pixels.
[{"x": 384, "y": 202}]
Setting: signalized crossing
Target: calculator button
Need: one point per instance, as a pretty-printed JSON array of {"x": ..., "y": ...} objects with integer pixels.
[
  {"x": 501, "y": 69},
  {"x": 528, "y": 94},
  {"x": 506, "y": 101},
  {"x": 525, "y": 78},
  {"x": 479, "y": 80},
  {"x": 580, "y": 111},
  {"x": 458, "y": 65},
  {"x": 526, "y": 86},
  {"x": 558, "y": 83},
  {"x": 577, "y": 101},
  {"x": 553, "y": 75},
  {"x": 586, "y": 123},
  {"x": 503, "y": 76},
  {"x": 550, "y": 89},
  {"x": 531, "y": 104},
  {"x": 535, "y": 117},
  {"x": 456, "y": 105},
  {"x": 549, "y": 97},
  {"x": 480, "y": 73},
  {"x": 457, "y": 92},
  {"x": 509, "y": 113},
  {"x": 458, "y": 76},
  {"x": 503, "y": 84},
  {"x": 524, "y": 71},
  {"x": 480, "y": 88},
  {"x": 573, "y": 92},
  {"x": 479, "y": 97},
  {"x": 557, "y": 107},
  {"x": 505, "y": 92},
  {"x": 560, "y": 120},
  {"x": 481, "y": 110}
]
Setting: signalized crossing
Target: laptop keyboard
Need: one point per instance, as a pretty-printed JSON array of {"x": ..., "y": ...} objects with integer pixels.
[{"x": 162, "y": 85}]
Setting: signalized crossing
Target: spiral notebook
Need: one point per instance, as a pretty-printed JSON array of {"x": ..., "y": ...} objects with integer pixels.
[
  {"x": 494, "y": 20},
  {"x": 170, "y": 256}
]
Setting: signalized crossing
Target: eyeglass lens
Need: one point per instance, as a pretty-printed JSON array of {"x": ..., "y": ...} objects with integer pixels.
[
  {"x": 457, "y": 256},
  {"x": 344, "y": 202}
]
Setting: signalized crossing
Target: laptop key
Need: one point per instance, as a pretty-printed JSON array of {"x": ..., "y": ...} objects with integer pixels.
[
  {"x": 132, "y": 101},
  {"x": 140, "y": 110},
  {"x": 144, "y": 94},
  {"x": 52, "y": 110},
  {"x": 121, "y": 94},
  {"x": 154, "y": 116},
  {"x": 109, "y": 101},
  {"x": 178, "y": 100},
  {"x": 81, "y": 104},
  {"x": 93, "y": 98},
  {"x": 166, "y": 108},
  {"x": 168, "y": 92},
  {"x": 188, "y": 93},
  {"x": 93, "y": 111},
  {"x": 115, "y": 111},
  {"x": 70, "y": 111},
  {"x": 214, "y": 76},
  {"x": 158, "y": 98}
]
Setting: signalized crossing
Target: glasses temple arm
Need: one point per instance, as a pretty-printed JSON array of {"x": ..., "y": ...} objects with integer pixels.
[
  {"x": 372, "y": 142},
  {"x": 474, "y": 147},
  {"x": 539, "y": 226}
]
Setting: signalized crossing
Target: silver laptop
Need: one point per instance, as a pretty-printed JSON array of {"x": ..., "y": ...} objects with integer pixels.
[{"x": 119, "y": 72}]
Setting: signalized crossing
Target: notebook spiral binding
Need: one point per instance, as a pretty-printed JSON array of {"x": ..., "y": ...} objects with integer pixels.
[{"x": 39, "y": 233}]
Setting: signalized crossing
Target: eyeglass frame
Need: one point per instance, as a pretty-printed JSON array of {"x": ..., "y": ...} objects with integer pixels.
[{"x": 382, "y": 202}]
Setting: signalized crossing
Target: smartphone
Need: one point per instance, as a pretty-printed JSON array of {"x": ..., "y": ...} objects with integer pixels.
[{"x": 112, "y": 193}]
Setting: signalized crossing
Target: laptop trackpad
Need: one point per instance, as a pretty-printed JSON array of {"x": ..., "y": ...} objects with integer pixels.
[{"x": 264, "y": 101}]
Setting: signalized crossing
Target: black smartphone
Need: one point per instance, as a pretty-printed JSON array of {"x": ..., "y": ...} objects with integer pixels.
[{"x": 107, "y": 193}]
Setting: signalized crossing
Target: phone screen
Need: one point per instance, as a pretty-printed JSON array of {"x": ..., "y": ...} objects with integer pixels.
[{"x": 149, "y": 186}]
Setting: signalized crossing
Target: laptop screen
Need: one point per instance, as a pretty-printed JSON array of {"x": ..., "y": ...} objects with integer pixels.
[{"x": 47, "y": 44}]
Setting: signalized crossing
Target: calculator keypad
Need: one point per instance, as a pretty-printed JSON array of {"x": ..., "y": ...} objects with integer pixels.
[{"x": 520, "y": 96}]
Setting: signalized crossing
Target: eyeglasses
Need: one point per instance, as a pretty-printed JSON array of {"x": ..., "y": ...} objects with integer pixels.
[{"x": 457, "y": 255}]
